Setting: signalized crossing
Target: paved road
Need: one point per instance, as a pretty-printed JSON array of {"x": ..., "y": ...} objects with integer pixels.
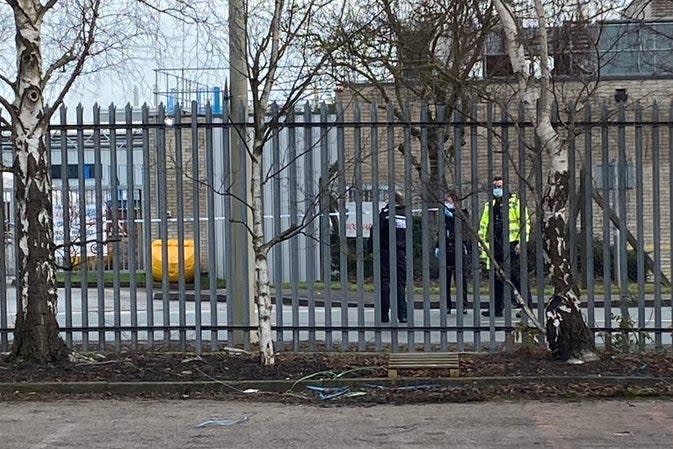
[
  {"x": 132, "y": 424},
  {"x": 170, "y": 312}
]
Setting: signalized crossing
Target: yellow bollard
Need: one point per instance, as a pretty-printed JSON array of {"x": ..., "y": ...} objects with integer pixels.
[{"x": 173, "y": 263}]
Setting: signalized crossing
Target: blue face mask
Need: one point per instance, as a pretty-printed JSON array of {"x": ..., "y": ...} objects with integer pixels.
[
  {"x": 497, "y": 192},
  {"x": 448, "y": 209}
]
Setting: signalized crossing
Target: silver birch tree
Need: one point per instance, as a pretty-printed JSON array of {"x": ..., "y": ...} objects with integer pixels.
[
  {"x": 55, "y": 42},
  {"x": 567, "y": 334},
  {"x": 278, "y": 34}
]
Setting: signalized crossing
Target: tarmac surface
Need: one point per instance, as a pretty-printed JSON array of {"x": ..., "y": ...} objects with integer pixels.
[{"x": 166, "y": 424}]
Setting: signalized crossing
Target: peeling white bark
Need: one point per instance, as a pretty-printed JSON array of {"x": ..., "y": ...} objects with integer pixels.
[
  {"x": 262, "y": 291},
  {"x": 36, "y": 329},
  {"x": 565, "y": 324},
  {"x": 259, "y": 245}
]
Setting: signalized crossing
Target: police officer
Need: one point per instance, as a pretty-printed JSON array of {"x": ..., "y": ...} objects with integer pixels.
[
  {"x": 494, "y": 215},
  {"x": 398, "y": 260},
  {"x": 450, "y": 204}
]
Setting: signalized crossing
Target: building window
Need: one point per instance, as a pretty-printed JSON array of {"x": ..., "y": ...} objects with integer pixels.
[
  {"x": 636, "y": 49},
  {"x": 73, "y": 171}
]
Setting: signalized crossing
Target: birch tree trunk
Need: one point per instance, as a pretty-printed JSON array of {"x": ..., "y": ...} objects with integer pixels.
[
  {"x": 262, "y": 291},
  {"x": 260, "y": 100},
  {"x": 567, "y": 334},
  {"x": 36, "y": 337}
]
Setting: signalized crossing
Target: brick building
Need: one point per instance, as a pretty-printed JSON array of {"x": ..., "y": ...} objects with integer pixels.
[{"x": 620, "y": 70}]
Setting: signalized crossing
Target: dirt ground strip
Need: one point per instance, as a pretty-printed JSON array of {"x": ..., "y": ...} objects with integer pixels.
[
  {"x": 530, "y": 374},
  {"x": 182, "y": 367}
]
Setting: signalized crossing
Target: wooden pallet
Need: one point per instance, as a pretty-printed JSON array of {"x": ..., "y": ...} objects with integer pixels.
[{"x": 423, "y": 360}]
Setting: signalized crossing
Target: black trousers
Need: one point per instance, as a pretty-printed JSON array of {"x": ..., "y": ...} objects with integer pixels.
[
  {"x": 451, "y": 273},
  {"x": 401, "y": 269},
  {"x": 515, "y": 273}
]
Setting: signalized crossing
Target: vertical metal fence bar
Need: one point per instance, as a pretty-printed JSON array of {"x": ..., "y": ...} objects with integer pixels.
[
  {"x": 228, "y": 225},
  {"x": 101, "y": 233},
  {"x": 67, "y": 259},
  {"x": 573, "y": 207},
  {"x": 656, "y": 224},
  {"x": 326, "y": 230},
  {"x": 294, "y": 246},
  {"x": 162, "y": 209},
  {"x": 409, "y": 231},
  {"x": 435, "y": 201},
  {"x": 622, "y": 271},
  {"x": 374, "y": 233},
  {"x": 343, "y": 241},
  {"x": 359, "y": 244},
  {"x": 81, "y": 197},
  {"x": 458, "y": 227},
  {"x": 131, "y": 227},
  {"x": 16, "y": 249},
  {"x": 427, "y": 199},
  {"x": 210, "y": 187},
  {"x": 196, "y": 220},
  {"x": 392, "y": 247},
  {"x": 249, "y": 258},
  {"x": 4, "y": 338},
  {"x": 507, "y": 191},
  {"x": 4, "y": 229},
  {"x": 210, "y": 213},
  {"x": 179, "y": 205},
  {"x": 278, "y": 249},
  {"x": 539, "y": 236},
  {"x": 605, "y": 168},
  {"x": 309, "y": 214},
  {"x": 474, "y": 222},
  {"x": 523, "y": 207},
  {"x": 47, "y": 141},
  {"x": 491, "y": 273},
  {"x": 588, "y": 220},
  {"x": 147, "y": 227},
  {"x": 441, "y": 245},
  {"x": 640, "y": 228},
  {"x": 114, "y": 205},
  {"x": 670, "y": 199}
]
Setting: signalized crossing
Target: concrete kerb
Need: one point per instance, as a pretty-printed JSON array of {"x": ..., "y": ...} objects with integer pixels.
[{"x": 649, "y": 385}]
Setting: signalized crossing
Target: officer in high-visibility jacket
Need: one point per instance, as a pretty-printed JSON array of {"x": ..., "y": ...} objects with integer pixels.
[{"x": 494, "y": 216}]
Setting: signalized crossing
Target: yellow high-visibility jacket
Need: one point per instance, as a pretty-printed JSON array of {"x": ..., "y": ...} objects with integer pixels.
[{"x": 514, "y": 223}]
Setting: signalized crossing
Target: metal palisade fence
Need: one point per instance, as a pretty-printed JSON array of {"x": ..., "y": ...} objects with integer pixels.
[{"x": 142, "y": 225}]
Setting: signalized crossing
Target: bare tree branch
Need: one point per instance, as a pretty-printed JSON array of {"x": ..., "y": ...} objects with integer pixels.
[
  {"x": 184, "y": 11},
  {"x": 45, "y": 8},
  {"x": 9, "y": 82},
  {"x": 68, "y": 57},
  {"x": 89, "y": 28},
  {"x": 82, "y": 244}
]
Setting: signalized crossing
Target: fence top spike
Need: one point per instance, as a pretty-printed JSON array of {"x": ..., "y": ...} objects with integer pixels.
[{"x": 129, "y": 106}]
